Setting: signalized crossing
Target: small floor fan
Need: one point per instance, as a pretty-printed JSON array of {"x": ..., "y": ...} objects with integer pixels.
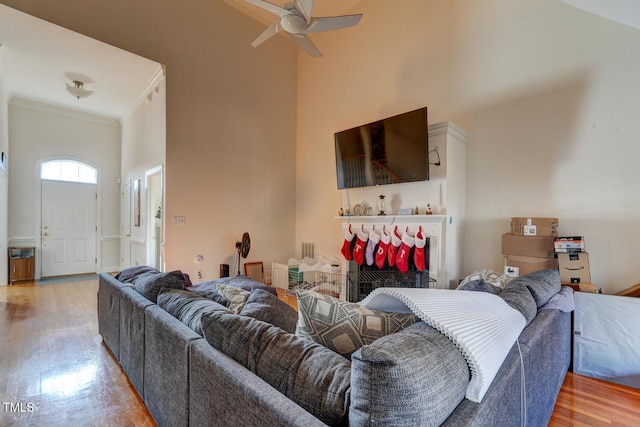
[{"x": 243, "y": 247}]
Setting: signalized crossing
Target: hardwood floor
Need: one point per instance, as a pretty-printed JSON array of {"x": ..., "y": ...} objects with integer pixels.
[{"x": 55, "y": 370}]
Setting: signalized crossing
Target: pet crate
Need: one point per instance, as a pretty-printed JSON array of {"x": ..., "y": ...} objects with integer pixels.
[{"x": 294, "y": 277}]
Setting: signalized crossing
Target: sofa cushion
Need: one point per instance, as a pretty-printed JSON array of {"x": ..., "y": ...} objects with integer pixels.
[
  {"x": 517, "y": 295},
  {"x": 235, "y": 297},
  {"x": 188, "y": 307},
  {"x": 130, "y": 274},
  {"x": 342, "y": 326},
  {"x": 415, "y": 377},
  {"x": 542, "y": 284},
  {"x": 265, "y": 306},
  {"x": 149, "y": 284},
  {"x": 246, "y": 283},
  {"x": 315, "y": 378}
]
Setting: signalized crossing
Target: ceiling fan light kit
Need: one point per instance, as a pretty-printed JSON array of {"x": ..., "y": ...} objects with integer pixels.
[{"x": 296, "y": 20}]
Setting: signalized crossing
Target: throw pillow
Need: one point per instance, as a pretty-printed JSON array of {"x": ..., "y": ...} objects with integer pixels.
[
  {"x": 493, "y": 277},
  {"x": 415, "y": 377},
  {"x": 517, "y": 295},
  {"x": 312, "y": 376},
  {"x": 342, "y": 326},
  {"x": 232, "y": 297},
  {"x": 265, "y": 306},
  {"x": 209, "y": 291},
  {"x": 188, "y": 307},
  {"x": 150, "y": 284}
]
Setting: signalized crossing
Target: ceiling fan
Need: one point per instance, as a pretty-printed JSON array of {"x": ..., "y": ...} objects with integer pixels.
[{"x": 297, "y": 22}]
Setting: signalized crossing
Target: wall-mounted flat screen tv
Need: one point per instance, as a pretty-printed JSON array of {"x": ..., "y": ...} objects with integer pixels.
[{"x": 387, "y": 151}]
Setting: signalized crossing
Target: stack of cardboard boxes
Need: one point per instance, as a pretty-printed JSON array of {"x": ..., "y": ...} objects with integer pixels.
[{"x": 530, "y": 245}]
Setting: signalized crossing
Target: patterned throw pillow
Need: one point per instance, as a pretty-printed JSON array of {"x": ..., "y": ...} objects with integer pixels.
[
  {"x": 342, "y": 326},
  {"x": 234, "y": 298},
  {"x": 489, "y": 276}
]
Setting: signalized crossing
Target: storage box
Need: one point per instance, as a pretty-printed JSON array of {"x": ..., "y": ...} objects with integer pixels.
[
  {"x": 569, "y": 244},
  {"x": 532, "y": 246},
  {"x": 517, "y": 265},
  {"x": 534, "y": 226},
  {"x": 574, "y": 267}
]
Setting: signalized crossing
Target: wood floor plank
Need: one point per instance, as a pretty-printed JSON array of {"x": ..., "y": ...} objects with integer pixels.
[{"x": 56, "y": 371}]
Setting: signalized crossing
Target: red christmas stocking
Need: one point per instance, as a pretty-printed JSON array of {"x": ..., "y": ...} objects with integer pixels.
[
  {"x": 374, "y": 238},
  {"x": 402, "y": 259},
  {"x": 346, "y": 245},
  {"x": 418, "y": 252},
  {"x": 383, "y": 248},
  {"x": 393, "y": 247},
  {"x": 359, "y": 248}
]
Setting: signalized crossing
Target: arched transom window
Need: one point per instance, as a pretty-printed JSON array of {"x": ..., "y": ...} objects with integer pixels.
[{"x": 68, "y": 170}]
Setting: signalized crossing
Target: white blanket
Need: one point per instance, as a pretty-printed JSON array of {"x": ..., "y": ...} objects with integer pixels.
[{"x": 482, "y": 325}]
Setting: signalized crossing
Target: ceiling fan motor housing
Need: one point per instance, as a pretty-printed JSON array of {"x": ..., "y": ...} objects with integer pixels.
[{"x": 293, "y": 23}]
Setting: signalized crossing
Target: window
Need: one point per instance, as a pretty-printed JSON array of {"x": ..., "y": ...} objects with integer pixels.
[{"x": 68, "y": 170}]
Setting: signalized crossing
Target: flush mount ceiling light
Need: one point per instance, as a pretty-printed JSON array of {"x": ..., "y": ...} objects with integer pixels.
[{"x": 78, "y": 90}]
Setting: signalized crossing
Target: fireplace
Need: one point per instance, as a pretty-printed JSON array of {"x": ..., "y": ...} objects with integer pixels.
[{"x": 362, "y": 279}]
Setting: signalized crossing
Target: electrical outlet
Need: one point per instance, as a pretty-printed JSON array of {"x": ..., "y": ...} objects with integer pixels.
[
  {"x": 179, "y": 220},
  {"x": 199, "y": 275}
]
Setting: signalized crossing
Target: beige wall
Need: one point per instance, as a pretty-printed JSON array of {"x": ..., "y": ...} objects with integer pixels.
[
  {"x": 546, "y": 91},
  {"x": 231, "y": 111},
  {"x": 143, "y": 148}
]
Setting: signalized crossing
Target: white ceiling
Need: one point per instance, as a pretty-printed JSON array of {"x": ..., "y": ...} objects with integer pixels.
[{"x": 40, "y": 58}]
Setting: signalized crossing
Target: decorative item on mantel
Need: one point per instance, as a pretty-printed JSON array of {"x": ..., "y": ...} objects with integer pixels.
[
  {"x": 429, "y": 211},
  {"x": 382, "y": 205}
]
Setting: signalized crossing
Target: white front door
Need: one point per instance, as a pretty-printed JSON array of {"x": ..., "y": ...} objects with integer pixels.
[{"x": 68, "y": 228}]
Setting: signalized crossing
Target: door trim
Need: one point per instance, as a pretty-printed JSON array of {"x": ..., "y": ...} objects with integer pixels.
[{"x": 38, "y": 209}]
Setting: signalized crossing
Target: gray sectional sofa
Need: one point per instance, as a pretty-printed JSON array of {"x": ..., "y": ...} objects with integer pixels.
[{"x": 244, "y": 371}]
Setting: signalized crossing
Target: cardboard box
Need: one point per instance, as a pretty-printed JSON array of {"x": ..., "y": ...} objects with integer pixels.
[
  {"x": 517, "y": 265},
  {"x": 532, "y": 246},
  {"x": 574, "y": 267},
  {"x": 569, "y": 244},
  {"x": 534, "y": 226}
]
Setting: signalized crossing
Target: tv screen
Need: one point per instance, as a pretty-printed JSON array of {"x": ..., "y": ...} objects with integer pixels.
[{"x": 388, "y": 151}]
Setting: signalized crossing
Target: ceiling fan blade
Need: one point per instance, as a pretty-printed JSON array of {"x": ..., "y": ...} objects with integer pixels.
[
  {"x": 269, "y": 7},
  {"x": 271, "y": 31},
  {"x": 332, "y": 23},
  {"x": 305, "y": 42},
  {"x": 304, "y": 7}
]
